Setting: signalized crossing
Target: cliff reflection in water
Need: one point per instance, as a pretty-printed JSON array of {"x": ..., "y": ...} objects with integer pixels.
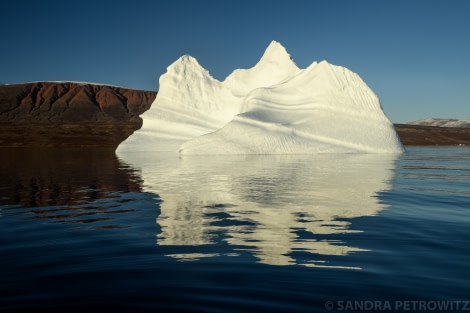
[
  {"x": 66, "y": 185},
  {"x": 277, "y": 207}
]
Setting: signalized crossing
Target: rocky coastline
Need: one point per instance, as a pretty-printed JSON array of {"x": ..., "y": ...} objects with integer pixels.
[{"x": 70, "y": 114}]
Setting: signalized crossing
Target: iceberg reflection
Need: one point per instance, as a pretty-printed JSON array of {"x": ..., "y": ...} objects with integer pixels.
[{"x": 274, "y": 206}]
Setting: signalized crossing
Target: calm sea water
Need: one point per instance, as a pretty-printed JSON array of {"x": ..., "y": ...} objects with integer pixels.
[{"x": 84, "y": 230}]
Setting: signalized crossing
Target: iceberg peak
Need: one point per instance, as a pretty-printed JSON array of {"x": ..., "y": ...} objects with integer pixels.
[
  {"x": 187, "y": 65},
  {"x": 275, "y": 66},
  {"x": 276, "y": 53}
]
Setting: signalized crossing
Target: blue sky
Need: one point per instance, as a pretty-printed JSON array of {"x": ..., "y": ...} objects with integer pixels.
[{"x": 413, "y": 54}]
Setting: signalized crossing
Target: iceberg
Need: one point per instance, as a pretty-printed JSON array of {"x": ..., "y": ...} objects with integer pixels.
[{"x": 272, "y": 108}]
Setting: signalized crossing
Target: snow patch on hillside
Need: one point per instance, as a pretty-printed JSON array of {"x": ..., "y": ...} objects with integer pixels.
[{"x": 442, "y": 122}]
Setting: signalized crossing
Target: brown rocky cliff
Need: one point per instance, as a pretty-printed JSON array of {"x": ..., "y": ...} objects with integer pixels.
[
  {"x": 419, "y": 135},
  {"x": 70, "y": 114}
]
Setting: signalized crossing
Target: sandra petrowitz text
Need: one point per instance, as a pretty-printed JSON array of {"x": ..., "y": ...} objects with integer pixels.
[{"x": 398, "y": 305}]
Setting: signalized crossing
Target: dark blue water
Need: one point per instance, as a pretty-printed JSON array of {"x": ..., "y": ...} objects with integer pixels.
[{"x": 84, "y": 230}]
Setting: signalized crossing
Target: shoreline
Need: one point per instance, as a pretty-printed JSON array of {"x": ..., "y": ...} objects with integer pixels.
[
  {"x": 71, "y": 114},
  {"x": 112, "y": 134}
]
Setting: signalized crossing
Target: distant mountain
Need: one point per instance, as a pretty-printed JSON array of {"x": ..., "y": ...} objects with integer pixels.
[{"x": 442, "y": 122}]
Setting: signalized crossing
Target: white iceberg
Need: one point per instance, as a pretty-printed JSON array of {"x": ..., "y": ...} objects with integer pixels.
[{"x": 272, "y": 108}]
